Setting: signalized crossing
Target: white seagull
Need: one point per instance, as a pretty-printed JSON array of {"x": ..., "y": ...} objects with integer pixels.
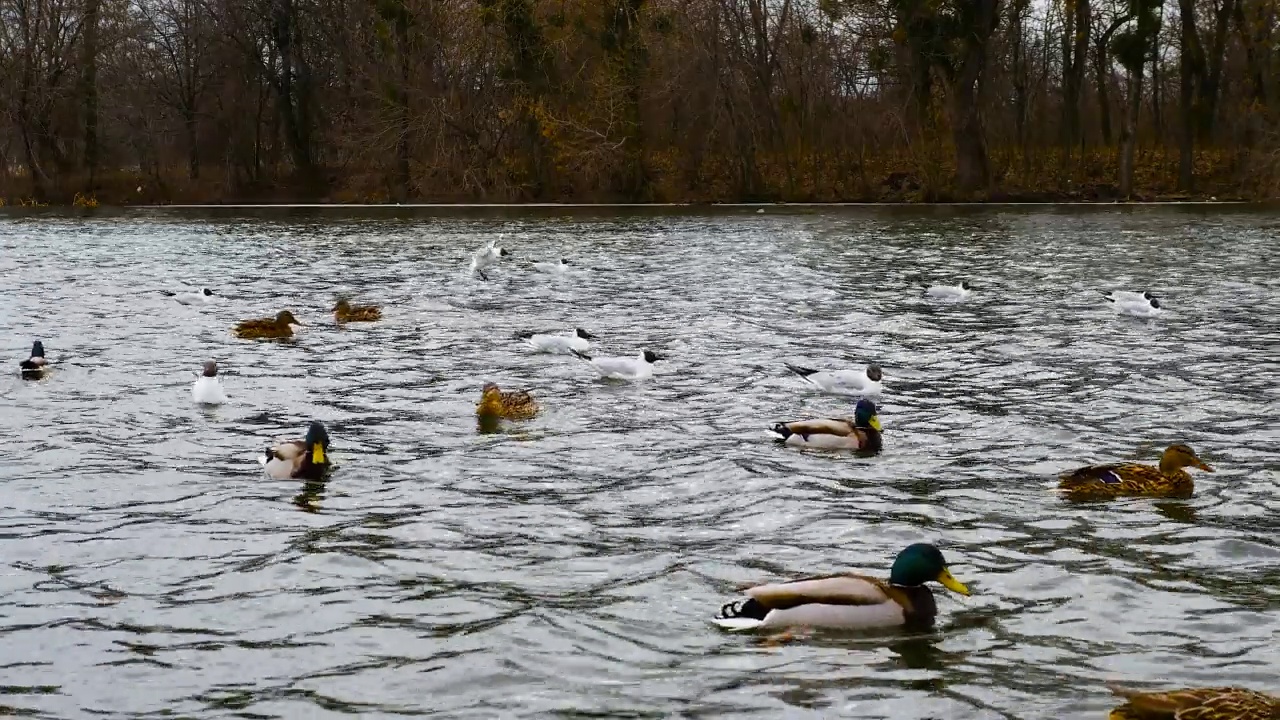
[
  {"x": 556, "y": 267},
  {"x": 1137, "y": 307},
  {"x": 190, "y": 298},
  {"x": 547, "y": 343},
  {"x": 207, "y": 390},
  {"x": 623, "y": 368},
  {"x": 843, "y": 382},
  {"x": 488, "y": 255},
  {"x": 949, "y": 292}
]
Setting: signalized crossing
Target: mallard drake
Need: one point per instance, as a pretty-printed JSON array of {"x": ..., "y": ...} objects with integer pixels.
[
  {"x": 281, "y": 326},
  {"x": 512, "y": 405},
  {"x": 307, "y": 458},
  {"x": 861, "y": 433},
  {"x": 34, "y": 367},
  {"x": 843, "y": 382},
  {"x": 344, "y": 311},
  {"x": 1099, "y": 482},
  {"x": 848, "y": 600},
  {"x": 1221, "y": 703},
  {"x": 207, "y": 390}
]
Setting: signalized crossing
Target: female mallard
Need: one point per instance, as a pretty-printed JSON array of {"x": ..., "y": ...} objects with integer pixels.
[
  {"x": 307, "y": 458},
  {"x": 344, "y": 311},
  {"x": 1100, "y": 482},
  {"x": 1222, "y": 703},
  {"x": 512, "y": 405},
  {"x": 34, "y": 367},
  {"x": 849, "y": 601},
  {"x": 861, "y": 433},
  {"x": 281, "y": 326}
]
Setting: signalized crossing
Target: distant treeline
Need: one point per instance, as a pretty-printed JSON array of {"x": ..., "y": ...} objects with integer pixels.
[{"x": 637, "y": 100}]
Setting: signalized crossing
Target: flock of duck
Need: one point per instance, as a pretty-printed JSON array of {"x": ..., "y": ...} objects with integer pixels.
[{"x": 838, "y": 601}]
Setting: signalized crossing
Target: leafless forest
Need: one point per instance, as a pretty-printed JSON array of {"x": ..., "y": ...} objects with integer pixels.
[{"x": 133, "y": 101}]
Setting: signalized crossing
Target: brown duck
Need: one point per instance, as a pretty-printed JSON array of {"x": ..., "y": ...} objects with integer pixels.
[
  {"x": 1222, "y": 703},
  {"x": 344, "y": 311},
  {"x": 281, "y": 326},
  {"x": 512, "y": 405},
  {"x": 1100, "y": 482}
]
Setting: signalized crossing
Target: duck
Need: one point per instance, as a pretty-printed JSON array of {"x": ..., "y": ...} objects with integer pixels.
[
  {"x": 949, "y": 292},
  {"x": 623, "y": 368},
  {"x": 557, "y": 266},
  {"x": 207, "y": 390},
  {"x": 860, "y": 433},
  {"x": 1219, "y": 703},
  {"x": 344, "y": 311},
  {"x": 489, "y": 254},
  {"x": 511, "y": 405},
  {"x": 843, "y": 382},
  {"x": 1169, "y": 479},
  {"x": 190, "y": 298},
  {"x": 282, "y": 325},
  {"x": 578, "y": 340},
  {"x": 307, "y": 458},
  {"x": 1137, "y": 307},
  {"x": 35, "y": 366},
  {"x": 848, "y": 601}
]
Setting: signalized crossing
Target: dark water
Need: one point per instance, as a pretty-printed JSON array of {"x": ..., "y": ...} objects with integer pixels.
[{"x": 568, "y": 566}]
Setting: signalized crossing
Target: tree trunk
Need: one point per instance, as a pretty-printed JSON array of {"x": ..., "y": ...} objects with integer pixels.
[
  {"x": 1191, "y": 70},
  {"x": 1129, "y": 132},
  {"x": 89, "y": 90},
  {"x": 1075, "y": 47},
  {"x": 403, "y": 177},
  {"x": 979, "y": 21}
]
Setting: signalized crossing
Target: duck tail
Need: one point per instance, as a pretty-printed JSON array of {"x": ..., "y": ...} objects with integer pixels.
[
  {"x": 741, "y": 615},
  {"x": 803, "y": 372},
  {"x": 582, "y": 355}
]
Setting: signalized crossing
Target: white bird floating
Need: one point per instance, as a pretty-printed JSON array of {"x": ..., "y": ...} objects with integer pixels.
[
  {"x": 1137, "y": 307},
  {"x": 576, "y": 341},
  {"x": 555, "y": 268},
  {"x": 190, "y": 298},
  {"x": 949, "y": 292},
  {"x": 623, "y": 368},
  {"x": 843, "y": 382},
  {"x": 207, "y": 390},
  {"x": 487, "y": 256}
]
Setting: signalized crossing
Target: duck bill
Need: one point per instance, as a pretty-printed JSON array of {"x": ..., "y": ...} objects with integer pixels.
[
  {"x": 1203, "y": 466},
  {"x": 875, "y": 425},
  {"x": 317, "y": 454},
  {"x": 951, "y": 583}
]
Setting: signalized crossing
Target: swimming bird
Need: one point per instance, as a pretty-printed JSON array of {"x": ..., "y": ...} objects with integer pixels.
[
  {"x": 1129, "y": 295},
  {"x": 860, "y": 433},
  {"x": 843, "y": 382},
  {"x": 207, "y": 390},
  {"x": 344, "y": 311},
  {"x": 558, "y": 266},
  {"x": 190, "y": 298},
  {"x": 1142, "y": 308},
  {"x": 34, "y": 367},
  {"x": 949, "y": 292},
  {"x": 512, "y": 405},
  {"x": 849, "y": 601},
  {"x": 544, "y": 342},
  {"x": 489, "y": 254},
  {"x": 623, "y": 368},
  {"x": 307, "y": 458},
  {"x": 281, "y": 326},
  {"x": 1219, "y": 703},
  {"x": 1101, "y": 482}
]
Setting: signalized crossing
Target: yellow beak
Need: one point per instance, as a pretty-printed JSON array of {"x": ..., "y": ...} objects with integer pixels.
[
  {"x": 875, "y": 423},
  {"x": 317, "y": 454},
  {"x": 949, "y": 582}
]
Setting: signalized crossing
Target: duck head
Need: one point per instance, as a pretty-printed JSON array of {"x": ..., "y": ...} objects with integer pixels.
[
  {"x": 864, "y": 415},
  {"x": 342, "y": 305},
  {"x": 285, "y": 317},
  {"x": 1178, "y": 456},
  {"x": 317, "y": 443},
  {"x": 918, "y": 564},
  {"x": 37, "y": 349}
]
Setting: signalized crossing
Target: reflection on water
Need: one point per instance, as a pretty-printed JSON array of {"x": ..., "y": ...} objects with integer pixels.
[{"x": 568, "y": 565}]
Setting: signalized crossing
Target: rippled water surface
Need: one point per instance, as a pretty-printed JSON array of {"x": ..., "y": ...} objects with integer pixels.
[{"x": 568, "y": 566}]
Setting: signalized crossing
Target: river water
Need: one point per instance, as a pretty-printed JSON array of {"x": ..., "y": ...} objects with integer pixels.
[{"x": 568, "y": 566}]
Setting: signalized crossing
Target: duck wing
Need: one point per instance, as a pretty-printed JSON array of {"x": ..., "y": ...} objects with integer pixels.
[
  {"x": 825, "y": 426},
  {"x": 1110, "y": 474},
  {"x": 843, "y": 589},
  {"x": 289, "y": 450}
]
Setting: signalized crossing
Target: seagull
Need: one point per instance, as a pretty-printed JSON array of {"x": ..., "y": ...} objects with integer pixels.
[
  {"x": 547, "y": 343},
  {"x": 949, "y": 292},
  {"x": 190, "y": 298},
  {"x": 843, "y": 382},
  {"x": 623, "y": 368},
  {"x": 556, "y": 267},
  {"x": 1137, "y": 308},
  {"x": 488, "y": 255},
  {"x": 1114, "y": 295},
  {"x": 207, "y": 390}
]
